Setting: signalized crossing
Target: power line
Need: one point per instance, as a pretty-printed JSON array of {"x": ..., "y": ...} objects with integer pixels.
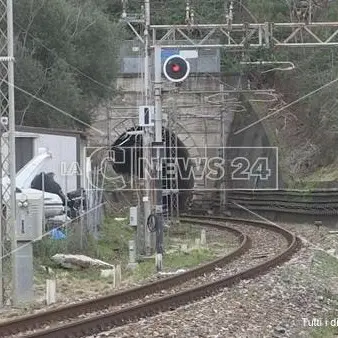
[{"x": 55, "y": 108}]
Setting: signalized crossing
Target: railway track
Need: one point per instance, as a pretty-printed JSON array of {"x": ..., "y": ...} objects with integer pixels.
[
  {"x": 111, "y": 311},
  {"x": 316, "y": 202}
]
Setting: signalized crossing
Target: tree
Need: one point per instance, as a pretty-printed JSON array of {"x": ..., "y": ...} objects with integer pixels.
[{"x": 66, "y": 54}]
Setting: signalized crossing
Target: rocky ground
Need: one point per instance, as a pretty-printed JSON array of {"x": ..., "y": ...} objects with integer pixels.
[{"x": 298, "y": 299}]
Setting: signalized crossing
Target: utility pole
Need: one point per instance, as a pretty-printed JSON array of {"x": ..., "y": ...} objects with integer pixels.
[
  {"x": 158, "y": 145},
  {"x": 145, "y": 238},
  {"x": 227, "y": 117},
  {"x": 7, "y": 166},
  {"x": 147, "y": 138}
]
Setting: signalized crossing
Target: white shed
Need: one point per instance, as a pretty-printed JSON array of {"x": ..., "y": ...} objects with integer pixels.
[{"x": 67, "y": 149}]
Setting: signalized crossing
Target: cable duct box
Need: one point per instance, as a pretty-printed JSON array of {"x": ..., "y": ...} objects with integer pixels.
[
  {"x": 133, "y": 216},
  {"x": 146, "y": 116},
  {"x": 29, "y": 216}
]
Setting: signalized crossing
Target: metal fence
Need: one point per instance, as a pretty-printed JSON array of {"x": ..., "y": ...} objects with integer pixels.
[{"x": 76, "y": 236}]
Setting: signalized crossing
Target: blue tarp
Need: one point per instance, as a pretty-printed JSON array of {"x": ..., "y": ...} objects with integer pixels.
[{"x": 57, "y": 234}]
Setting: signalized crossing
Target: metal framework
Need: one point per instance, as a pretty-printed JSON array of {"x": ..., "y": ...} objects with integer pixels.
[
  {"x": 7, "y": 164},
  {"x": 232, "y": 37},
  {"x": 170, "y": 179},
  {"x": 248, "y": 35}
]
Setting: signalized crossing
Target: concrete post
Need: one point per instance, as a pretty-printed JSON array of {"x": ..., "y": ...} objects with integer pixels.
[
  {"x": 197, "y": 243},
  {"x": 50, "y": 291},
  {"x": 25, "y": 273},
  {"x": 132, "y": 255},
  {"x": 203, "y": 237},
  {"x": 118, "y": 275}
]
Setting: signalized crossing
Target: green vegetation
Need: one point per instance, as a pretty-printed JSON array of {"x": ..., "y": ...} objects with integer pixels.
[
  {"x": 314, "y": 67},
  {"x": 329, "y": 173},
  {"x": 175, "y": 261},
  {"x": 112, "y": 247},
  {"x": 324, "y": 332},
  {"x": 61, "y": 44},
  {"x": 326, "y": 267},
  {"x": 66, "y": 54},
  {"x": 320, "y": 178}
]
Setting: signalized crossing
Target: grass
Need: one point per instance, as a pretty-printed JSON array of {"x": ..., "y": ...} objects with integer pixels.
[
  {"x": 174, "y": 261},
  {"x": 326, "y": 267},
  {"x": 328, "y": 173},
  {"x": 315, "y": 179},
  {"x": 112, "y": 247},
  {"x": 319, "y": 277},
  {"x": 324, "y": 332}
]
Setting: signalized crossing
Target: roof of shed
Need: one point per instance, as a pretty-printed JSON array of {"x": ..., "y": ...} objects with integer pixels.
[{"x": 52, "y": 131}]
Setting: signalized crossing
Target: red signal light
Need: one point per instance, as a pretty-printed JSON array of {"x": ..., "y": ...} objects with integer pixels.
[{"x": 176, "y": 68}]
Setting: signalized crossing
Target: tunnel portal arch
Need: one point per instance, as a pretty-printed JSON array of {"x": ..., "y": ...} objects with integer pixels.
[{"x": 127, "y": 150}]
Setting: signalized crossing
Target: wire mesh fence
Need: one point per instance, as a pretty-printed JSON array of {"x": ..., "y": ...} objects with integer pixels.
[{"x": 75, "y": 236}]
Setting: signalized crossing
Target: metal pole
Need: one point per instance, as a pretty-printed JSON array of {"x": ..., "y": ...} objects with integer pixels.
[
  {"x": 227, "y": 120},
  {"x": 147, "y": 138},
  {"x": 109, "y": 143},
  {"x": 158, "y": 141},
  {"x": 2, "y": 224},
  {"x": 146, "y": 48},
  {"x": 11, "y": 136},
  {"x": 223, "y": 144},
  {"x": 158, "y": 98},
  {"x": 310, "y": 11}
]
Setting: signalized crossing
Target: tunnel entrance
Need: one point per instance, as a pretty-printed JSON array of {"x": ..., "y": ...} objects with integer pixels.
[{"x": 128, "y": 154}]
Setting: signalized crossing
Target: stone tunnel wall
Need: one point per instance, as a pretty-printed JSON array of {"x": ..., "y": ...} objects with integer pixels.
[{"x": 191, "y": 115}]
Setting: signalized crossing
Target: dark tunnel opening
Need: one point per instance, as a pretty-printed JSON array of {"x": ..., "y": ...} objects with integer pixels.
[{"x": 127, "y": 150}]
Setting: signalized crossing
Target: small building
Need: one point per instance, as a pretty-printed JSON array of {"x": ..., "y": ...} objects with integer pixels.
[{"x": 66, "y": 146}]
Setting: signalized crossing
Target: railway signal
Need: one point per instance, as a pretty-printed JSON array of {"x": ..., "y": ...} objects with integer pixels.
[{"x": 176, "y": 68}]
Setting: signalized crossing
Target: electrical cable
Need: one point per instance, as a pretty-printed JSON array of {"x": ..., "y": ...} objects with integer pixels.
[{"x": 152, "y": 223}]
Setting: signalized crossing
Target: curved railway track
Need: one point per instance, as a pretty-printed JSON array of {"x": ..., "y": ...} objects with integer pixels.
[{"x": 117, "y": 309}]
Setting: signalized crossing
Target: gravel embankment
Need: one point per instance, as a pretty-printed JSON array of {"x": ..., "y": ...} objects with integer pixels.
[
  {"x": 278, "y": 304},
  {"x": 272, "y": 305},
  {"x": 265, "y": 244}
]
